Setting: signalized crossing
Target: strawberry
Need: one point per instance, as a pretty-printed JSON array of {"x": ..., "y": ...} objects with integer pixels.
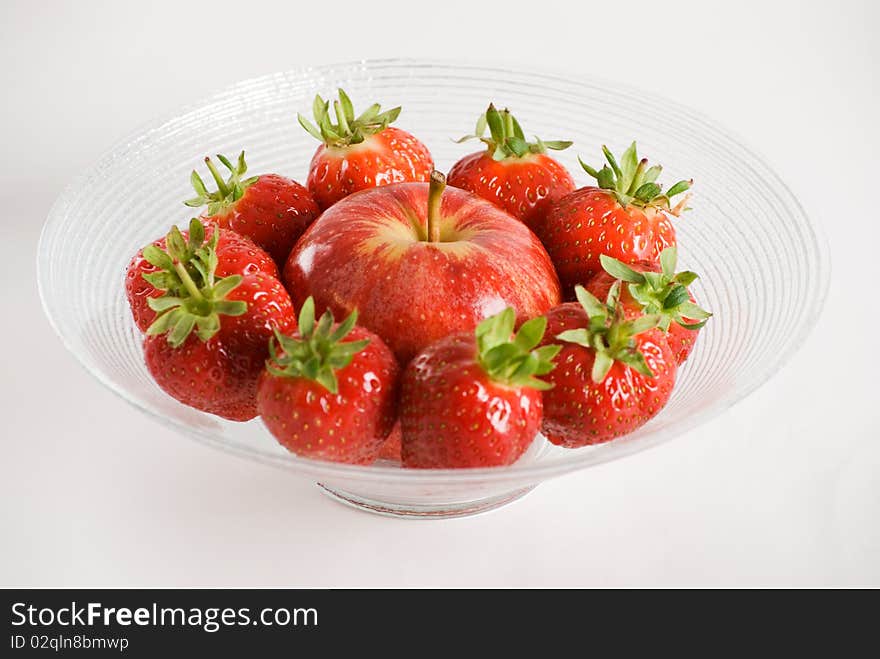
[
  {"x": 358, "y": 153},
  {"x": 626, "y": 217},
  {"x": 209, "y": 341},
  {"x": 271, "y": 210},
  {"x": 473, "y": 399},
  {"x": 656, "y": 289},
  {"x": 236, "y": 255},
  {"x": 391, "y": 448},
  {"x": 612, "y": 375},
  {"x": 328, "y": 392},
  {"x": 513, "y": 174}
]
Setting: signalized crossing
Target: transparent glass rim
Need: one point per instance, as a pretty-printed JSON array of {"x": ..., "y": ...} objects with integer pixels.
[{"x": 516, "y": 473}]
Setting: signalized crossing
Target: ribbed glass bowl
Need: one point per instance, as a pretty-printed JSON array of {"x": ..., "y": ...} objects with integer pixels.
[{"x": 764, "y": 268}]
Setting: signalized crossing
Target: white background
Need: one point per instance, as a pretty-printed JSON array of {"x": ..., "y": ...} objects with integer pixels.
[{"x": 782, "y": 490}]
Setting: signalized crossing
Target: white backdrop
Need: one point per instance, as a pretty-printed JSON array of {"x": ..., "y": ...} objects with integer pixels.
[{"x": 782, "y": 490}]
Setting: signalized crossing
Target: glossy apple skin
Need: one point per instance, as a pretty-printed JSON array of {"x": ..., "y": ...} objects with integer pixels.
[{"x": 368, "y": 252}]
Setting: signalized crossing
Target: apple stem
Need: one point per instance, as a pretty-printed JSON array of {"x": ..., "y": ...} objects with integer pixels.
[{"x": 435, "y": 196}]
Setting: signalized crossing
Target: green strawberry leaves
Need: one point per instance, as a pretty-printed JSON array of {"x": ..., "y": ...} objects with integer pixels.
[
  {"x": 348, "y": 129},
  {"x": 506, "y": 138},
  {"x": 664, "y": 293},
  {"x": 228, "y": 191},
  {"x": 319, "y": 350},
  {"x": 633, "y": 182},
  {"x": 193, "y": 299},
  {"x": 514, "y": 359},
  {"x": 609, "y": 336}
]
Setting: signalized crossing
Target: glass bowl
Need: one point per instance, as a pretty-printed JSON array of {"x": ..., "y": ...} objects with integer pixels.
[{"x": 763, "y": 263}]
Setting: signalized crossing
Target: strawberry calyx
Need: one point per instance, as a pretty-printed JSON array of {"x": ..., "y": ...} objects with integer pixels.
[
  {"x": 610, "y": 336},
  {"x": 348, "y": 129},
  {"x": 194, "y": 298},
  {"x": 664, "y": 293},
  {"x": 319, "y": 350},
  {"x": 506, "y": 138},
  {"x": 633, "y": 182},
  {"x": 514, "y": 360},
  {"x": 228, "y": 191}
]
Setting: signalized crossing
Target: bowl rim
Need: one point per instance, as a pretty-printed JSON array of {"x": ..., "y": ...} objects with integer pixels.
[{"x": 516, "y": 473}]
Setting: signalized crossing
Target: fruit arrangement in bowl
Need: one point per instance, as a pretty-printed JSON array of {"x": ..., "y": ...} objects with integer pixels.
[
  {"x": 443, "y": 359},
  {"x": 421, "y": 343}
]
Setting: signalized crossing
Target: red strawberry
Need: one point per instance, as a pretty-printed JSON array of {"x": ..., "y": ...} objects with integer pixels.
[
  {"x": 271, "y": 210},
  {"x": 391, "y": 448},
  {"x": 236, "y": 255},
  {"x": 653, "y": 288},
  {"x": 361, "y": 152},
  {"x": 626, "y": 217},
  {"x": 513, "y": 174},
  {"x": 611, "y": 376},
  {"x": 329, "y": 399},
  {"x": 210, "y": 339},
  {"x": 473, "y": 399}
]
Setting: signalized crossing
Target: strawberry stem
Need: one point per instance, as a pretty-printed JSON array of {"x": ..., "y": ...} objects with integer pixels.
[
  {"x": 317, "y": 351},
  {"x": 228, "y": 192},
  {"x": 349, "y": 129},
  {"x": 435, "y": 196},
  {"x": 664, "y": 293},
  {"x": 221, "y": 184},
  {"x": 506, "y": 138},
  {"x": 637, "y": 177},
  {"x": 631, "y": 181},
  {"x": 609, "y": 335},
  {"x": 188, "y": 282},
  {"x": 341, "y": 118},
  {"x": 192, "y": 299},
  {"x": 512, "y": 359},
  {"x": 508, "y": 122}
]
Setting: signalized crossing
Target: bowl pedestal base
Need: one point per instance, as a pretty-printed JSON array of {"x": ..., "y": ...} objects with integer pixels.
[{"x": 424, "y": 511}]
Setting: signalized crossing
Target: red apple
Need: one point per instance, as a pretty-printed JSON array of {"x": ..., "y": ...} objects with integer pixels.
[{"x": 420, "y": 261}]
